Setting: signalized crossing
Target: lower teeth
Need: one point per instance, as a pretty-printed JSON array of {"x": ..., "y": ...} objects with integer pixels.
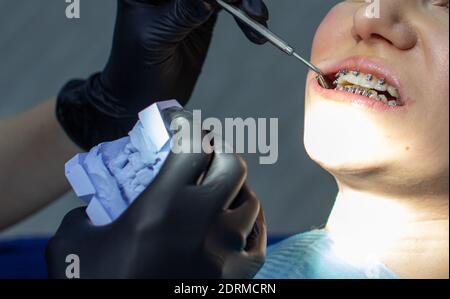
[{"x": 368, "y": 93}]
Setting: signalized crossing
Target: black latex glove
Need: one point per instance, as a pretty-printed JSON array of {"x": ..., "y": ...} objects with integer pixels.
[
  {"x": 197, "y": 219},
  {"x": 158, "y": 52}
]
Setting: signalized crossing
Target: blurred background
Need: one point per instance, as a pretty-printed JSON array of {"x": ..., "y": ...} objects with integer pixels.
[{"x": 40, "y": 49}]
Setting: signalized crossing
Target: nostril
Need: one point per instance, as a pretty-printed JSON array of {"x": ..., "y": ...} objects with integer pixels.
[{"x": 377, "y": 36}]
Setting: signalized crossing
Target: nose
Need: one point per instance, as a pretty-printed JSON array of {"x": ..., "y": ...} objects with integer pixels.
[{"x": 385, "y": 21}]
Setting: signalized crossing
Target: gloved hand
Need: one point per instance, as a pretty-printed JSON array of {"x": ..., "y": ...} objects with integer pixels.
[
  {"x": 197, "y": 219},
  {"x": 158, "y": 52}
]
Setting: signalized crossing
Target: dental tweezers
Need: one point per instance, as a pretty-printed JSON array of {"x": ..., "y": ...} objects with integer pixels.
[{"x": 272, "y": 38}]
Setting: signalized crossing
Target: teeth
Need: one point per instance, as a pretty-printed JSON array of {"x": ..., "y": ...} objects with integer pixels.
[
  {"x": 372, "y": 94},
  {"x": 365, "y": 84},
  {"x": 382, "y": 98},
  {"x": 351, "y": 78},
  {"x": 381, "y": 85},
  {"x": 393, "y": 91}
]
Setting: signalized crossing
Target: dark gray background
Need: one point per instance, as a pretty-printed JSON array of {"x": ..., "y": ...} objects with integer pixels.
[{"x": 40, "y": 50}]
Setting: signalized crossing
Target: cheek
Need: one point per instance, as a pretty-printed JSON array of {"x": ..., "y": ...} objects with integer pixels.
[
  {"x": 334, "y": 30},
  {"x": 435, "y": 45},
  {"x": 431, "y": 119},
  {"x": 442, "y": 68}
]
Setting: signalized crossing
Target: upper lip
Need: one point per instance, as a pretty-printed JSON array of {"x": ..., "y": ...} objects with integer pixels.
[{"x": 366, "y": 65}]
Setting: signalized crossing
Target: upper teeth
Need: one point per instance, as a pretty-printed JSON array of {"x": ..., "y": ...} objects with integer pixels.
[{"x": 365, "y": 84}]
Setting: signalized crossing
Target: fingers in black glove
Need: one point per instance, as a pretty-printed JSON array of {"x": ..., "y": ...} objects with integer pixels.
[
  {"x": 210, "y": 181},
  {"x": 239, "y": 237}
]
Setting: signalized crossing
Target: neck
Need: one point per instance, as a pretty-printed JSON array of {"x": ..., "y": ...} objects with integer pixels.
[{"x": 409, "y": 234}]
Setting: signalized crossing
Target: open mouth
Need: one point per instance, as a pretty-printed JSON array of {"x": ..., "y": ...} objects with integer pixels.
[{"x": 366, "y": 85}]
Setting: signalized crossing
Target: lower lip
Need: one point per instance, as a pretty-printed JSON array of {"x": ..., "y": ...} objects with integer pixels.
[{"x": 351, "y": 98}]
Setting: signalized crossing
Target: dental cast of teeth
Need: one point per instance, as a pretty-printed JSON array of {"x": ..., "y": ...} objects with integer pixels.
[{"x": 367, "y": 85}]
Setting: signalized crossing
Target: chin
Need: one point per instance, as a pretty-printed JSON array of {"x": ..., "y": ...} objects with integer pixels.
[
  {"x": 343, "y": 140},
  {"x": 338, "y": 162}
]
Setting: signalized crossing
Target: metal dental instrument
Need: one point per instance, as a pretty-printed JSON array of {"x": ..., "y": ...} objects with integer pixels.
[{"x": 273, "y": 38}]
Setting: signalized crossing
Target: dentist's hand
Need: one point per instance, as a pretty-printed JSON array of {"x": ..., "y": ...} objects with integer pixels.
[
  {"x": 197, "y": 219},
  {"x": 158, "y": 53}
]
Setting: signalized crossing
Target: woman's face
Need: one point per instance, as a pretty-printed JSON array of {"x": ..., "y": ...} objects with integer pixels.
[{"x": 387, "y": 127}]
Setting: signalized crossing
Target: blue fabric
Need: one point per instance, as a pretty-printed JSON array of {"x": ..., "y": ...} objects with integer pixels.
[
  {"x": 24, "y": 259},
  {"x": 310, "y": 256}
]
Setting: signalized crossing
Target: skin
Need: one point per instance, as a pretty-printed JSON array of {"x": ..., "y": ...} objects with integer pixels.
[
  {"x": 33, "y": 148},
  {"x": 392, "y": 168}
]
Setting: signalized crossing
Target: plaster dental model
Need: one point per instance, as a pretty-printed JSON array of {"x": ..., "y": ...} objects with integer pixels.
[{"x": 113, "y": 174}]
